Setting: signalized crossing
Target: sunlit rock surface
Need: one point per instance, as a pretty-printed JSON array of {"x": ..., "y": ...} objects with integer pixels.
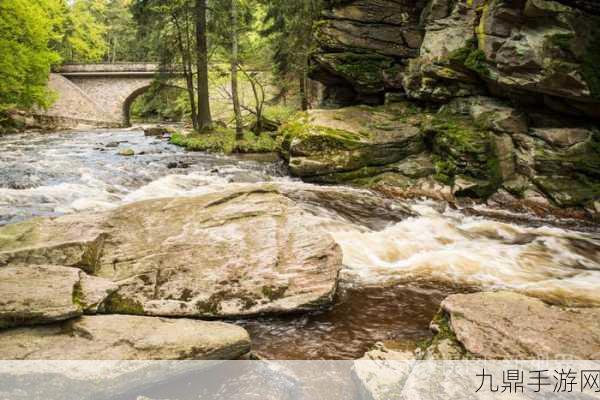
[
  {"x": 123, "y": 337},
  {"x": 511, "y": 326},
  {"x": 243, "y": 251}
]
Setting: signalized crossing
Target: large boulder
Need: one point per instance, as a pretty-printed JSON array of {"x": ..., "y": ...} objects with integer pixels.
[
  {"x": 357, "y": 140},
  {"x": 34, "y": 294},
  {"x": 563, "y": 163},
  {"x": 121, "y": 337},
  {"x": 511, "y": 326},
  {"x": 244, "y": 251}
]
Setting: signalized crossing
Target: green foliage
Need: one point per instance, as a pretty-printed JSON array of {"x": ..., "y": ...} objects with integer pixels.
[
  {"x": 27, "y": 30},
  {"x": 161, "y": 103},
  {"x": 84, "y": 40},
  {"x": 222, "y": 140}
]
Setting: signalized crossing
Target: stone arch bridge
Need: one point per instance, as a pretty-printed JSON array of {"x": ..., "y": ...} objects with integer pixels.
[{"x": 99, "y": 94}]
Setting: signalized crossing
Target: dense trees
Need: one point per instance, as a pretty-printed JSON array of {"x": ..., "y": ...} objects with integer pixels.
[
  {"x": 251, "y": 53},
  {"x": 28, "y": 31},
  {"x": 181, "y": 29},
  {"x": 290, "y": 25}
]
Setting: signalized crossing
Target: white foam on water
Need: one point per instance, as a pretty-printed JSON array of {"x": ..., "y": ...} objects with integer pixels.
[{"x": 558, "y": 265}]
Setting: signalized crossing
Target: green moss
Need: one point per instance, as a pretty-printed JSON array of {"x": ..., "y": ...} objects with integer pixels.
[
  {"x": 212, "y": 306},
  {"x": 591, "y": 60},
  {"x": 78, "y": 297},
  {"x": 476, "y": 61},
  {"x": 319, "y": 139},
  {"x": 444, "y": 333},
  {"x": 223, "y": 141},
  {"x": 18, "y": 235},
  {"x": 365, "y": 71},
  {"x": 445, "y": 170},
  {"x": 274, "y": 292},
  {"x": 117, "y": 304},
  {"x": 462, "y": 148},
  {"x": 562, "y": 40},
  {"x": 471, "y": 57}
]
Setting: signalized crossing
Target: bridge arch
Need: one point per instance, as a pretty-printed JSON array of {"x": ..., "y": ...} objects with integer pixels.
[{"x": 139, "y": 92}]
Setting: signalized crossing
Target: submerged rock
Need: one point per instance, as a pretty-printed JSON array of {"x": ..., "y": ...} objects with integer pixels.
[
  {"x": 244, "y": 251},
  {"x": 511, "y": 326},
  {"x": 126, "y": 152},
  {"x": 120, "y": 337},
  {"x": 158, "y": 131}
]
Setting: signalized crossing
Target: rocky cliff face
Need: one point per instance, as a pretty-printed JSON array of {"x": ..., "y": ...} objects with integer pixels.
[
  {"x": 534, "y": 52},
  {"x": 510, "y": 90}
]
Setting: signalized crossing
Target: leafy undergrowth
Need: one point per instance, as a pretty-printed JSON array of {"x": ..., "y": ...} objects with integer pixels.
[{"x": 222, "y": 140}]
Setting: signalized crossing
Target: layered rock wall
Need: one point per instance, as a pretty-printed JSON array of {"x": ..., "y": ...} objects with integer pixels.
[
  {"x": 534, "y": 52},
  {"x": 505, "y": 95}
]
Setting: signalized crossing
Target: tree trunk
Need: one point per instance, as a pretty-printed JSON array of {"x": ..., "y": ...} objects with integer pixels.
[
  {"x": 239, "y": 133},
  {"x": 303, "y": 92},
  {"x": 188, "y": 72},
  {"x": 204, "y": 116}
]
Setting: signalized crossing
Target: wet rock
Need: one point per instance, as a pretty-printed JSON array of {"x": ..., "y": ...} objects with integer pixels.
[
  {"x": 245, "y": 251},
  {"x": 112, "y": 144},
  {"x": 126, "y": 152},
  {"x": 178, "y": 165},
  {"x": 121, "y": 337},
  {"x": 506, "y": 325},
  {"x": 39, "y": 294},
  {"x": 158, "y": 131}
]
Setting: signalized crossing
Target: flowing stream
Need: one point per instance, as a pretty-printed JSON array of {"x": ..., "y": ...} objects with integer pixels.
[{"x": 393, "y": 279}]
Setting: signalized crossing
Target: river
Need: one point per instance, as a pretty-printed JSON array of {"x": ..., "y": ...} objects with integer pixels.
[{"x": 393, "y": 279}]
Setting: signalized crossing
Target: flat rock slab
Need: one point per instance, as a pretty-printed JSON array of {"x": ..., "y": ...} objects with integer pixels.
[
  {"x": 122, "y": 337},
  {"x": 36, "y": 294},
  {"x": 506, "y": 325},
  {"x": 244, "y": 251}
]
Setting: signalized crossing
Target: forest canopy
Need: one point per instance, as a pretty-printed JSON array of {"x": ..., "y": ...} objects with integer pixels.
[{"x": 236, "y": 55}]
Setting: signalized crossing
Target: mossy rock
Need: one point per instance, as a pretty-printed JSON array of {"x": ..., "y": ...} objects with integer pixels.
[
  {"x": 365, "y": 72},
  {"x": 569, "y": 191},
  {"x": 119, "y": 304},
  {"x": 355, "y": 141},
  {"x": 462, "y": 148}
]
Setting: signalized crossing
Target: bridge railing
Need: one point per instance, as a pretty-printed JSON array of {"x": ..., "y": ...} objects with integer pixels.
[{"x": 122, "y": 67}]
